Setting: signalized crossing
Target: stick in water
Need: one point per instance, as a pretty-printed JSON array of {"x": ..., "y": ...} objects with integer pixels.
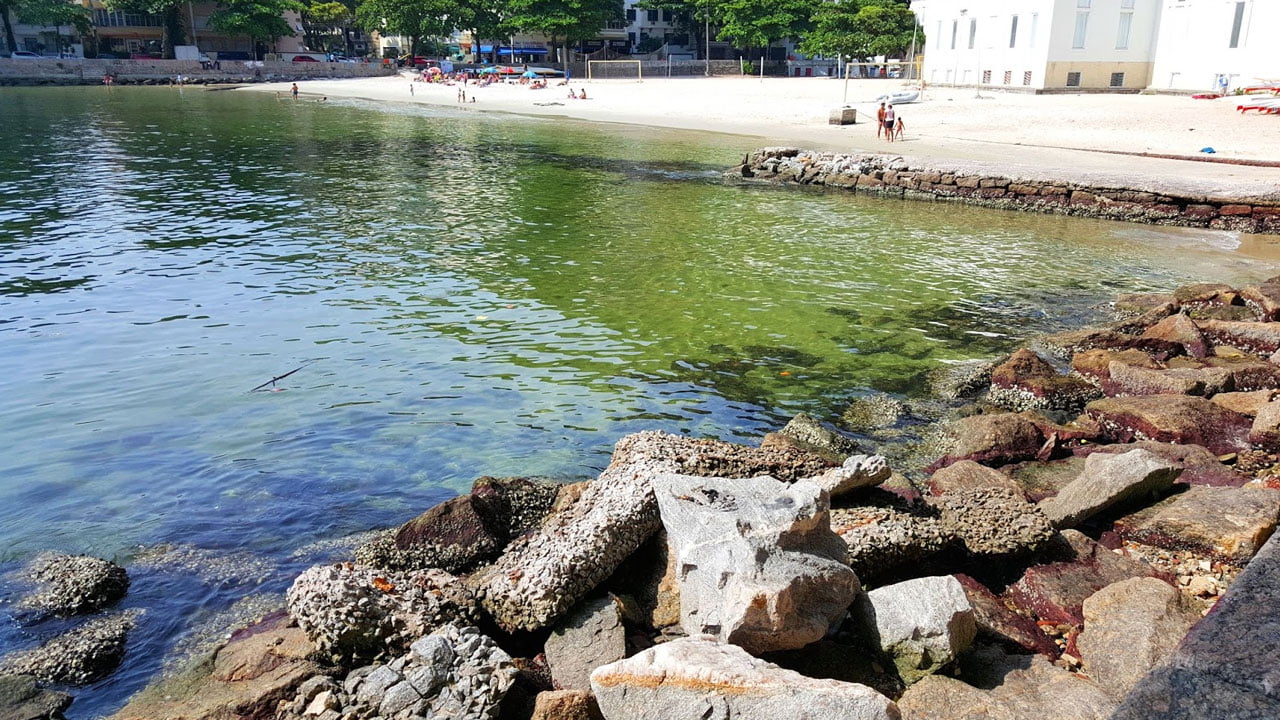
[{"x": 273, "y": 380}]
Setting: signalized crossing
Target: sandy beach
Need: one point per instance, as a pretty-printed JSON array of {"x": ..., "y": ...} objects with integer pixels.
[{"x": 1094, "y": 138}]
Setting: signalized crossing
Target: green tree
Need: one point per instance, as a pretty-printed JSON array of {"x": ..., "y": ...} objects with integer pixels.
[
  {"x": 564, "y": 21},
  {"x": 170, "y": 12},
  {"x": 757, "y": 23},
  {"x": 412, "y": 18},
  {"x": 56, "y": 14},
  {"x": 863, "y": 29},
  {"x": 322, "y": 20},
  {"x": 261, "y": 20},
  {"x": 692, "y": 16}
]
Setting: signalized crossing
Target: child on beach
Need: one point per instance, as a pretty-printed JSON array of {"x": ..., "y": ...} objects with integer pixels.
[
  {"x": 897, "y": 129},
  {"x": 294, "y": 91}
]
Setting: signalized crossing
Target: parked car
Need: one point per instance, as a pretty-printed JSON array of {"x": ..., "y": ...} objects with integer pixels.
[
  {"x": 25, "y": 55},
  {"x": 304, "y": 58}
]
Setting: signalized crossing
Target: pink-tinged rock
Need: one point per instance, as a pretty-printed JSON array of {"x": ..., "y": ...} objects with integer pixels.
[
  {"x": 1134, "y": 304},
  {"x": 1055, "y": 592},
  {"x": 1107, "y": 481},
  {"x": 1205, "y": 294},
  {"x": 1245, "y": 403},
  {"x": 1264, "y": 298},
  {"x": 1171, "y": 418},
  {"x": 1075, "y": 341},
  {"x": 1094, "y": 365},
  {"x": 997, "y": 621},
  {"x": 969, "y": 475},
  {"x": 1026, "y": 382},
  {"x": 1265, "y": 432},
  {"x": 1124, "y": 380},
  {"x": 1199, "y": 466},
  {"x": 1247, "y": 371},
  {"x": 1258, "y": 338},
  {"x": 1228, "y": 523},
  {"x": 1182, "y": 330},
  {"x": 991, "y": 440},
  {"x": 1131, "y": 627}
]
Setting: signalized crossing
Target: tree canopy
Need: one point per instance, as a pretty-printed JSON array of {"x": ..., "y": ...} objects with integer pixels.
[
  {"x": 862, "y": 28},
  {"x": 261, "y": 20}
]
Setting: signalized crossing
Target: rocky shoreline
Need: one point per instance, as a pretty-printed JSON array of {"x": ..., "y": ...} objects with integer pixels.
[
  {"x": 1083, "y": 531},
  {"x": 892, "y": 176}
]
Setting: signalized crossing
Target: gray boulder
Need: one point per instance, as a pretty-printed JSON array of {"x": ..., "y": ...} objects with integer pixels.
[
  {"x": 1129, "y": 628},
  {"x": 79, "y": 657},
  {"x": 757, "y": 562},
  {"x": 1109, "y": 480},
  {"x": 20, "y": 699},
  {"x": 881, "y": 538},
  {"x": 73, "y": 584},
  {"x": 697, "y": 678},
  {"x": 812, "y": 433},
  {"x": 1035, "y": 690},
  {"x": 590, "y": 636},
  {"x": 858, "y": 471},
  {"x": 923, "y": 624},
  {"x": 353, "y": 613}
]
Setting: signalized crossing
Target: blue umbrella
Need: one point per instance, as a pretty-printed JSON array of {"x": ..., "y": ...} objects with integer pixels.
[{"x": 529, "y": 74}]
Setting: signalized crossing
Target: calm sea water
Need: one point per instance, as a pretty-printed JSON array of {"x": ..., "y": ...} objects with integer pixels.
[{"x": 464, "y": 295}]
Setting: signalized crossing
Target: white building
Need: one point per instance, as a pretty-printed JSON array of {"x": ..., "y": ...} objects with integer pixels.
[
  {"x": 1040, "y": 44},
  {"x": 1202, "y": 42}
]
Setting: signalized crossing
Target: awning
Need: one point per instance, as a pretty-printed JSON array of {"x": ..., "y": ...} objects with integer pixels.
[{"x": 522, "y": 51}]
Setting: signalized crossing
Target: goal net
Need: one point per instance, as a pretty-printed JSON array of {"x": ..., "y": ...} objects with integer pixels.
[
  {"x": 888, "y": 70},
  {"x": 615, "y": 70}
]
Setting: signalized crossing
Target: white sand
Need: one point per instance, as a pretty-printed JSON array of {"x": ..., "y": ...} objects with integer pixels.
[{"x": 1017, "y": 134}]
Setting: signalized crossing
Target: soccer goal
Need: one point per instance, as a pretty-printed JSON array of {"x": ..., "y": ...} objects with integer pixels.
[
  {"x": 888, "y": 70},
  {"x": 615, "y": 70}
]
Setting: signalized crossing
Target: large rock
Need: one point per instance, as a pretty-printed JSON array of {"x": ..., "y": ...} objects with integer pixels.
[
  {"x": 998, "y": 622},
  {"x": 647, "y": 587},
  {"x": 993, "y": 521},
  {"x": 1068, "y": 343},
  {"x": 354, "y": 613},
  {"x": 247, "y": 678},
  {"x": 1027, "y": 382},
  {"x": 757, "y": 561},
  {"x": 1222, "y": 668},
  {"x": 1199, "y": 466},
  {"x": 1198, "y": 294},
  {"x": 566, "y": 705},
  {"x": 1055, "y": 592},
  {"x": 1259, "y": 338},
  {"x": 1227, "y": 523},
  {"x": 1125, "y": 380},
  {"x": 715, "y": 458},
  {"x": 73, "y": 584},
  {"x": 1265, "y": 431},
  {"x": 857, "y": 472},
  {"x": 1182, "y": 330},
  {"x": 1109, "y": 480},
  {"x": 923, "y": 624},
  {"x": 1171, "y": 418},
  {"x": 1034, "y": 690},
  {"x": 1095, "y": 365},
  {"x": 884, "y": 537},
  {"x": 590, "y": 636},
  {"x": 1264, "y": 298},
  {"x": 819, "y": 438},
  {"x": 81, "y": 656},
  {"x": 1243, "y": 372},
  {"x": 1129, "y": 628},
  {"x": 20, "y": 699},
  {"x": 1246, "y": 403},
  {"x": 991, "y": 439},
  {"x": 697, "y": 678},
  {"x": 969, "y": 475}
]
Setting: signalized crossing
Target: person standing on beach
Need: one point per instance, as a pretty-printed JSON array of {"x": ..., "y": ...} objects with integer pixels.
[
  {"x": 889, "y": 117},
  {"x": 880, "y": 120},
  {"x": 294, "y": 91}
]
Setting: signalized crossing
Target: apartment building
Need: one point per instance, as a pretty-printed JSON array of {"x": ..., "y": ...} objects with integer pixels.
[{"x": 1212, "y": 44}]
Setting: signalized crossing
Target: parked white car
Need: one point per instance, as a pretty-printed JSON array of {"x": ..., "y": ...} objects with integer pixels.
[{"x": 25, "y": 55}]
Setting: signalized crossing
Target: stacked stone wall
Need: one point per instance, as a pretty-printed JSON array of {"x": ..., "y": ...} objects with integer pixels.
[
  {"x": 81, "y": 71},
  {"x": 882, "y": 175}
]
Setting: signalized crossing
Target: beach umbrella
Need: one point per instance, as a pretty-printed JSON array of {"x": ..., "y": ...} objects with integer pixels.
[
  {"x": 434, "y": 70},
  {"x": 529, "y": 74},
  {"x": 488, "y": 70},
  {"x": 505, "y": 70}
]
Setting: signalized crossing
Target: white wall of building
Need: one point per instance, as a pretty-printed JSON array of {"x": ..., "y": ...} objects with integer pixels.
[
  {"x": 1042, "y": 49},
  {"x": 1195, "y": 38}
]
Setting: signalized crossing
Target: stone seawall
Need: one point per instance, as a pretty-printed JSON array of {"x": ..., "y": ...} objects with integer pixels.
[
  {"x": 81, "y": 71},
  {"x": 894, "y": 176}
]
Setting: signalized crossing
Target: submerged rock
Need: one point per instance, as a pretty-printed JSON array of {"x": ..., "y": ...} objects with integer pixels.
[
  {"x": 809, "y": 432},
  {"x": 79, "y": 657},
  {"x": 757, "y": 561},
  {"x": 697, "y": 678},
  {"x": 73, "y": 584},
  {"x": 873, "y": 412},
  {"x": 354, "y": 613}
]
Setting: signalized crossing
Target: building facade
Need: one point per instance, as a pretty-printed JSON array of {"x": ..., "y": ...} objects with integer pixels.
[
  {"x": 1040, "y": 44},
  {"x": 1203, "y": 44}
]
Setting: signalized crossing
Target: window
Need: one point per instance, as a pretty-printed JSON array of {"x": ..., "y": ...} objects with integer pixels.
[
  {"x": 1236, "y": 22},
  {"x": 1083, "y": 3},
  {"x": 1013, "y": 32},
  {"x": 1008, "y": 77},
  {"x": 652, "y": 15},
  {"x": 1126, "y": 4},
  {"x": 973, "y": 32},
  {"x": 986, "y": 77},
  {"x": 1117, "y": 79},
  {"x": 631, "y": 15},
  {"x": 938, "y": 43},
  {"x": 1073, "y": 79},
  {"x": 1122, "y": 32},
  {"x": 1035, "y": 22},
  {"x": 1026, "y": 77},
  {"x": 666, "y": 16},
  {"x": 1082, "y": 28},
  {"x": 955, "y": 25}
]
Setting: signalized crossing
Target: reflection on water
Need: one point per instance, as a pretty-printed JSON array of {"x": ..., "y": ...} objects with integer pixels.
[{"x": 465, "y": 295}]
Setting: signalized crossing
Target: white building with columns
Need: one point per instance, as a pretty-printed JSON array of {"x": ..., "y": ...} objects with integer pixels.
[
  {"x": 1202, "y": 42},
  {"x": 1040, "y": 45}
]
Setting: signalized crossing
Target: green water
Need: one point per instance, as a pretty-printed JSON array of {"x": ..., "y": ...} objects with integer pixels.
[{"x": 466, "y": 294}]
